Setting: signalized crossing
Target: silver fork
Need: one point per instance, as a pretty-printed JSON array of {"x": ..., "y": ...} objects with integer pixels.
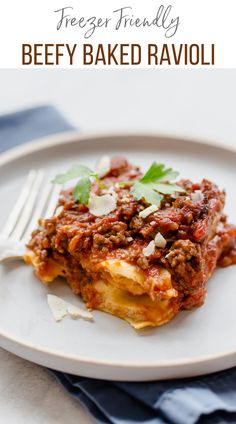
[{"x": 37, "y": 199}]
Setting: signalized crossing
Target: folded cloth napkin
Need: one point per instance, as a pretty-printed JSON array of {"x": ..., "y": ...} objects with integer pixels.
[
  {"x": 26, "y": 125},
  {"x": 209, "y": 399}
]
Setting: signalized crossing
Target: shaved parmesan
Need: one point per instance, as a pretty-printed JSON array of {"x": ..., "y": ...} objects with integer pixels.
[
  {"x": 110, "y": 190},
  {"x": 197, "y": 196},
  {"x": 60, "y": 308},
  {"x": 149, "y": 249},
  {"x": 148, "y": 211},
  {"x": 102, "y": 205},
  {"x": 125, "y": 199},
  {"x": 104, "y": 166},
  {"x": 159, "y": 240},
  {"x": 76, "y": 312},
  {"x": 129, "y": 239},
  {"x": 59, "y": 209}
]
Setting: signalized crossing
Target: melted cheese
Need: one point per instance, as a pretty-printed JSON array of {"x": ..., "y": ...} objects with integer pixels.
[
  {"x": 123, "y": 275},
  {"x": 123, "y": 289},
  {"x": 130, "y": 277},
  {"x": 139, "y": 311}
]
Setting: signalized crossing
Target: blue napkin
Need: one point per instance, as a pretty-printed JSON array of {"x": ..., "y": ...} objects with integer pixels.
[
  {"x": 209, "y": 399},
  {"x": 26, "y": 125}
]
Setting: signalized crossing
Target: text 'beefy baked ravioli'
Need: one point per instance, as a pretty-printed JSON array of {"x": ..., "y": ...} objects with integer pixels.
[{"x": 137, "y": 246}]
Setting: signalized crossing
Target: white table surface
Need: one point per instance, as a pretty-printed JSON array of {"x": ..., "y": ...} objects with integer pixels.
[{"x": 190, "y": 103}]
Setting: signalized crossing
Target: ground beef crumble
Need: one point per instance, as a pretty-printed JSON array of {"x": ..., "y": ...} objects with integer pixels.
[{"x": 197, "y": 234}]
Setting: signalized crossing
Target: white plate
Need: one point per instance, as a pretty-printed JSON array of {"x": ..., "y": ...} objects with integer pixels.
[{"x": 195, "y": 342}]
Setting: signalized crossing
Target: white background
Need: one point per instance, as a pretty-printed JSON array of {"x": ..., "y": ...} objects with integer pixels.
[
  {"x": 191, "y": 103},
  {"x": 201, "y": 21}
]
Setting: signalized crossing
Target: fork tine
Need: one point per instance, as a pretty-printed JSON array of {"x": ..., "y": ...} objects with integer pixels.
[
  {"x": 28, "y": 207},
  {"x": 16, "y": 211},
  {"x": 41, "y": 204},
  {"x": 53, "y": 201}
]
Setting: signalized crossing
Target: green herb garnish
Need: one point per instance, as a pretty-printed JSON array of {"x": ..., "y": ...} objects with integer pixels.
[
  {"x": 153, "y": 185},
  {"x": 150, "y": 187},
  {"x": 75, "y": 172},
  {"x": 82, "y": 189}
]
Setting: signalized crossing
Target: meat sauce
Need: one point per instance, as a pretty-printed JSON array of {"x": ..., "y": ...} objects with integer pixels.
[{"x": 197, "y": 234}]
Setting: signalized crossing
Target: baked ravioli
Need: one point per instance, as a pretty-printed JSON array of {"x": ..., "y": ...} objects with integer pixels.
[{"x": 136, "y": 246}]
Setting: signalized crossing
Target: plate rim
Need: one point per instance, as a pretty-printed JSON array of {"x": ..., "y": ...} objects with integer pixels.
[
  {"x": 107, "y": 362},
  {"x": 71, "y": 137},
  {"x": 74, "y": 136}
]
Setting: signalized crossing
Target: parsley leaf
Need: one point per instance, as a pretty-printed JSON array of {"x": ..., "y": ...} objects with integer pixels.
[
  {"x": 74, "y": 172},
  {"x": 141, "y": 191},
  {"x": 167, "y": 188},
  {"x": 151, "y": 188},
  {"x": 82, "y": 190},
  {"x": 158, "y": 172}
]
